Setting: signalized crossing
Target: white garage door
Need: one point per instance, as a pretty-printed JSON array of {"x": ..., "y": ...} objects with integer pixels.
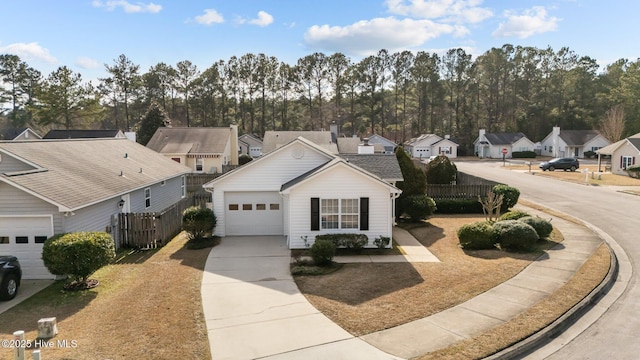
[
  {"x": 23, "y": 237},
  {"x": 253, "y": 213}
]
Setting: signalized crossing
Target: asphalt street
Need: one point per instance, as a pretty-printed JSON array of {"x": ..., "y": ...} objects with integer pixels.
[{"x": 614, "y": 334}]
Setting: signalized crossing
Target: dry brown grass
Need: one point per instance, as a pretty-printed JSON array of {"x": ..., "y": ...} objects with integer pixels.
[
  {"x": 535, "y": 318},
  {"x": 146, "y": 306},
  {"x": 364, "y": 298}
]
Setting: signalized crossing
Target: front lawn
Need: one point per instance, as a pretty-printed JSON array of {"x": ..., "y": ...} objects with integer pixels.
[{"x": 146, "y": 306}]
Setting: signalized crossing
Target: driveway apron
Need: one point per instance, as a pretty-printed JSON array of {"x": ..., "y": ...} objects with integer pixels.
[{"x": 253, "y": 308}]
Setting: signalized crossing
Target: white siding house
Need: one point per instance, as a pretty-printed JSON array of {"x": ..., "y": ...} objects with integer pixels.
[
  {"x": 427, "y": 145},
  {"x": 571, "y": 143},
  {"x": 303, "y": 190},
  {"x": 495, "y": 145},
  {"x": 623, "y": 154},
  {"x": 55, "y": 186}
]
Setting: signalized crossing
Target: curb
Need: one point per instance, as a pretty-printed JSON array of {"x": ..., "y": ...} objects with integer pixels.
[{"x": 553, "y": 330}]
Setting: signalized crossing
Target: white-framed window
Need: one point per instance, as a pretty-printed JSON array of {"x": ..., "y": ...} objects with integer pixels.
[
  {"x": 199, "y": 164},
  {"x": 183, "y": 186},
  {"x": 339, "y": 214},
  {"x": 147, "y": 198},
  {"x": 627, "y": 161},
  {"x": 594, "y": 148}
]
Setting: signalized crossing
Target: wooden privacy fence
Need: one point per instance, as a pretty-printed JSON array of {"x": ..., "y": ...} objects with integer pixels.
[
  {"x": 152, "y": 230},
  {"x": 456, "y": 192}
]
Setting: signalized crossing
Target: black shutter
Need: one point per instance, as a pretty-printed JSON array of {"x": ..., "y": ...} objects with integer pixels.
[
  {"x": 364, "y": 213},
  {"x": 315, "y": 213}
]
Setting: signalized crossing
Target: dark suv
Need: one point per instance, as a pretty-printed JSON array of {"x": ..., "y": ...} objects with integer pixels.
[
  {"x": 560, "y": 163},
  {"x": 10, "y": 276}
]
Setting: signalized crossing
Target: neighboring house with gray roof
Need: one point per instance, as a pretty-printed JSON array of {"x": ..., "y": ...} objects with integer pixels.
[
  {"x": 56, "y": 186},
  {"x": 274, "y": 139},
  {"x": 203, "y": 149},
  {"x": 427, "y": 145},
  {"x": 83, "y": 134},
  {"x": 19, "y": 134},
  {"x": 250, "y": 145},
  {"x": 494, "y": 145},
  {"x": 389, "y": 146},
  {"x": 623, "y": 154},
  {"x": 305, "y": 190},
  {"x": 572, "y": 143}
]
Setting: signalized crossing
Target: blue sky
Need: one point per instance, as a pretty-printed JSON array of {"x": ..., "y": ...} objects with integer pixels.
[{"x": 87, "y": 34}]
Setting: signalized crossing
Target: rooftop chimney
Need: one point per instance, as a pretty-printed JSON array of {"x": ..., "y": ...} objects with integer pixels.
[
  {"x": 365, "y": 147},
  {"x": 234, "y": 144}
]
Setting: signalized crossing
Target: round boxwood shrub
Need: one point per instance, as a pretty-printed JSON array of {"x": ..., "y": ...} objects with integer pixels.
[
  {"x": 418, "y": 207},
  {"x": 477, "y": 236},
  {"x": 509, "y": 194},
  {"x": 513, "y": 215},
  {"x": 515, "y": 235},
  {"x": 543, "y": 227},
  {"x": 322, "y": 252},
  {"x": 78, "y": 255},
  {"x": 198, "y": 222}
]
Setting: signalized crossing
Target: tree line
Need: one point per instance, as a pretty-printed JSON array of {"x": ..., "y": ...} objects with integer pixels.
[{"x": 398, "y": 95}]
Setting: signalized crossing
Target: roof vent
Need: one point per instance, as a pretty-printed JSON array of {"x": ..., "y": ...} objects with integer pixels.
[
  {"x": 126, "y": 155},
  {"x": 140, "y": 171},
  {"x": 121, "y": 173}
]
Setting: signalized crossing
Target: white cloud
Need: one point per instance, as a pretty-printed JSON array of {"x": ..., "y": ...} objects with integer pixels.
[
  {"x": 31, "y": 51},
  {"x": 458, "y": 11},
  {"x": 210, "y": 16},
  {"x": 530, "y": 22},
  {"x": 369, "y": 36},
  {"x": 88, "y": 63},
  {"x": 127, "y": 6},
  {"x": 262, "y": 20}
]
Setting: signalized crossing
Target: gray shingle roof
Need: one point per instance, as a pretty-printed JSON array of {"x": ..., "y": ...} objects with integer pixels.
[
  {"x": 250, "y": 140},
  {"x": 191, "y": 140},
  {"x": 635, "y": 142},
  {"x": 80, "y": 134},
  {"x": 274, "y": 139},
  {"x": 384, "y": 166},
  {"x": 12, "y": 133},
  {"x": 77, "y": 173},
  {"x": 503, "y": 138},
  {"x": 578, "y": 137}
]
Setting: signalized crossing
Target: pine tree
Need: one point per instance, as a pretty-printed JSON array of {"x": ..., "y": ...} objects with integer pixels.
[{"x": 152, "y": 120}]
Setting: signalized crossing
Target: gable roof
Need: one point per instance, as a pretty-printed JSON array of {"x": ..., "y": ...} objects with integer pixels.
[
  {"x": 379, "y": 139},
  {"x": 414, "y": 141},
  {"x": 578, "y": 137},
  {"x": 503, "y": 138},
  {"x": 384, "y": 166},
  {"x": 12, "y": 133},
  {"x": 73, "y": 174},
  {"x": 635, "y": 142},
  {"x": 275, "y": 139},
  {"x": 250, "y": 140},
  {"x": 82, "y": 134},
  {"x": 190, "y": 140}
]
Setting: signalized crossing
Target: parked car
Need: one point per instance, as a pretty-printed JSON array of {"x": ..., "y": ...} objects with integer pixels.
[
  {"x": 10, "y": 277},
  {"x": 560, "y": 163}
]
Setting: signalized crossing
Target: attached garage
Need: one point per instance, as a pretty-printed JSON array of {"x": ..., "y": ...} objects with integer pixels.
[
  {"x": 253, "y": 213},
  {"x": 23, "y": 237}
]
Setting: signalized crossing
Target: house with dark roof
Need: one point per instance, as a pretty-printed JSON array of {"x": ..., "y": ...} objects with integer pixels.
[
  {"x": 51, "y": 187},
  {"x": 14, "y": 134},
  {"x": 206, "y": 150},
  {"x": 84, "y": 134},
  {"x": 275, "y": 139},
  {"x": 250, "y": 145},
  {"x": 572, "y": 143},
  {"x": 305, "y": 190},
  {"x": 622, "y": 154},
  {"x": 495, "y": 145},
  {"x": 428, "y": 145},
  {"x": 389, "y": 146}
]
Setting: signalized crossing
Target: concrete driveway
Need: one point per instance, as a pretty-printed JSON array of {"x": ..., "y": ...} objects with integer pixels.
[{"x": 253, "y": 308}]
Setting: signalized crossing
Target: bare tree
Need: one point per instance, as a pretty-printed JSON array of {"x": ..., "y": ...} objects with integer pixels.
[{"x": 612, "y": 125}]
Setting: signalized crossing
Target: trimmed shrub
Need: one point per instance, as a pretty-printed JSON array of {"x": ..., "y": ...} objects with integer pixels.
[
  {"x": 415, "y": 182},
  {"x": 198, "y": 222},
  {"x": 382, "y": 242},
  {"x": 322, "y": 252},
  {"x": 634, "y": 171},
  {"x": 523, "y": 154},
  {"x": 515, "y": 235},
  {"x": 441, "y": 171},
  {"x": 349, "y": 241},
  {"x": 418, "y": 207},
  {"x": 306, "y": 270},
  {"x": 477, "y": 236},
  {"x": 509, "y": 194},
  {"x": 78, "y": 255},
  {"x": 243, "y": 159},
  {"x": 458, "y": 206},
  {"x": 589, "y": 154},
  {"x": 513, "y": 215},
  {"x": 542, "y": 227}
]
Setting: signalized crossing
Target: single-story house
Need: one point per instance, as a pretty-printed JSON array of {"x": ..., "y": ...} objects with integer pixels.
[
  {"x": 494, "y": 145},
  {"x": 84, "y": 134},
  {"x": 388, "y": 145},
  {"x": 250, "y": 145},
  {"x": 623, "y": 153},
  {"x": 306, "y": 190},
  {"x": 427, "y": 145},
  {"x": 206, "y": 150},
  {"x": 56, "y": 186},
  {"x": 19, "y": 134},
  {"x": 571, "y": 143},
  {"x": 274, "y": 139}
]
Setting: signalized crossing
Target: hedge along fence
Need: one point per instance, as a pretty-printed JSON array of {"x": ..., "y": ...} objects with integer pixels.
[{"x": 458, "y": 192}]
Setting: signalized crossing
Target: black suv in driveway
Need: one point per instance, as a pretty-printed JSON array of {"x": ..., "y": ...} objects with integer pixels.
[
  {"x": 560, "y": 163},
  {"x": 10, "y": 276}
]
